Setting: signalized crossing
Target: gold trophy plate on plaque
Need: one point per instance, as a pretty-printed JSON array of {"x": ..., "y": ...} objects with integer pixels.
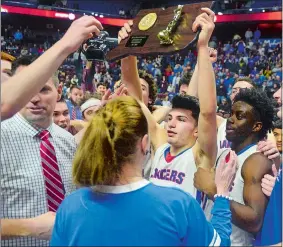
[{"x": 160, "y": 31}]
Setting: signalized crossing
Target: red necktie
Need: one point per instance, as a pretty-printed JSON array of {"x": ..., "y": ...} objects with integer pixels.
[
  {"x": 53, "y": 182},
  {"x": 74, "y": 113}
]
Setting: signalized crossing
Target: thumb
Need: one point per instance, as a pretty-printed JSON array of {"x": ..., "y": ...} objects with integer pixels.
[{"x": 274, "y": 170}]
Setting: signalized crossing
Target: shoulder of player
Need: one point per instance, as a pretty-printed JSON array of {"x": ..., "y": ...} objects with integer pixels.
[{"x": 256, "y": 165}]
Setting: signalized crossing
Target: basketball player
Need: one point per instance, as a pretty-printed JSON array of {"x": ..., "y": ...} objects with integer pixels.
[
  {"x": 252, "y": 116},
  {"x": 185, "y": 145},
  {"x": 116, "y": 206},
  {"x": 240, "y": 84}
]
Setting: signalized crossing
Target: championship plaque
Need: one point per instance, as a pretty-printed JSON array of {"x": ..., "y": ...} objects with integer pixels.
[{"x": 160, "y": 31}]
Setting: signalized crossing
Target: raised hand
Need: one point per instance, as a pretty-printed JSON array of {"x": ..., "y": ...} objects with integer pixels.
[
  {"x": 125, "y": 30},
  {"x": 81, "y": 29},
  {"x": 205, "y": 21},
  {"x": 269, "y": 149},
  {"x": 225, "y": 174},
  {"x": 268, "y": 181}
]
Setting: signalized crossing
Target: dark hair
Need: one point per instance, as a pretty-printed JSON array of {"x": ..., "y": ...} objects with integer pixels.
[
  {"x": 263, "y": 108},
  {"x": 62, "y": 100},
  {"x": 246, "y": 79},
  {"x": 277, "y": 125},
  {"x": 187, "y": 102},
  {"x": 152, "y": 88},
  {"x": 75, "y": 86},
  {"x": 101, "y": 84},
  {"x": 22, "y": 61}
]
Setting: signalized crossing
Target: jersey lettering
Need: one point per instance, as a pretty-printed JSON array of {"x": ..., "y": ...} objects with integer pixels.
[
  {"x": 169, "y": 175},
  {"x": 225, "y": 144}
]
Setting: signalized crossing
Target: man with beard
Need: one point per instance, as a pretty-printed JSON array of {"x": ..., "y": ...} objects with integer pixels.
[
  {"x": 76, "y": 94},
  {"x": 252, "y": 116}
]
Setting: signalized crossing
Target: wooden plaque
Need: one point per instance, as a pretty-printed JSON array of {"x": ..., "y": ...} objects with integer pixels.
[{"x": 146, "y": 42}]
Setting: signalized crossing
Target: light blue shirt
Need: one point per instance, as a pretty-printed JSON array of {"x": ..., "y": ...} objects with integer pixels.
[{"x": 139, "y": 214}]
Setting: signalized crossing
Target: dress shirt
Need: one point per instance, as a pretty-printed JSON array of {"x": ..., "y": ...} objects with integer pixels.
[{"x": 23, "y": 193}]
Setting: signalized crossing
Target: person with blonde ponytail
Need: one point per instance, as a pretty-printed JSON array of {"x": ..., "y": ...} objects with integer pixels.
[{"x": 116, "y": 206}]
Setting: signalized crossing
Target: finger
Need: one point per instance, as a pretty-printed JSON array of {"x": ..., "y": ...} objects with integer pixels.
[
  {"x": 273, "y": 156},
  {"x": 274, "y": 170},
  {"x": 210, "y": 13},
  {"x": 107, "y": 94},
  {"x": 205, "y": 16},
  {"x": 199, "y": 23},
  {"x": 270, "y": 152},
  {"x": 264, "y": 148},
  {"x": 121, "y": 35},
  {"x": 91, "y": 21},
  {"x": 93, "y": 29},
  {"x": 267, "y": 182},
  {"x": 125, "y": 32},
  {"x": 127, "y": 27},
  {"x": 266, "y": 192},
  {"x": 118, "y": 92},
  {"x": 124, "y": 91},
  {"x": 130, "y": 22}
]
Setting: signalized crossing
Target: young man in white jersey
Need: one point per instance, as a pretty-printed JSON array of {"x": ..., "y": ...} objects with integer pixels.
[
  {"x": 252, "y": 116},
  {"x": 189, "y": 140}
]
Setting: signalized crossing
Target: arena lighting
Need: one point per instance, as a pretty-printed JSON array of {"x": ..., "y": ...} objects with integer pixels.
[
  {"x": 101, "y": 16},
  {"x": 92, "y": 13},
  {"x": 220, "y": 13},
  {"x": 4, "y": 10},
  {"x": 69, "y": 16},
  {"x": 263, "y": 10},
  {"x": 250, "y": 9},
  {"x": 267, "y": 16},
  {"x": 72, "y": 16}
]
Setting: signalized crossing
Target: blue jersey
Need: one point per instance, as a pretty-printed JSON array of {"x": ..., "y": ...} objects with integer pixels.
[
  {"x": 139, "y": 214},
  {"x": 271, "y": 231}
]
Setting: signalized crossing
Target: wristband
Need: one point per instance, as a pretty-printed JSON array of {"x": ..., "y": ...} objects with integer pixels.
[{"x": 219, "y": 195}]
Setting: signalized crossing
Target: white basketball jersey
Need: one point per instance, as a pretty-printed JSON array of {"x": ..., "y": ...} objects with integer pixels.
[
  {"x": 147, "y": 166},
  {"x": 222, "y": 142},
  {"x": 239, "y": 237},
  {"x": 177, "y": 173}
]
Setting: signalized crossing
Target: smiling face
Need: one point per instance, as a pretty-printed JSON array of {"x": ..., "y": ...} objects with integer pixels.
[
  {"x": 241, "y": 124},
  {"x": 181, "y": 127}
]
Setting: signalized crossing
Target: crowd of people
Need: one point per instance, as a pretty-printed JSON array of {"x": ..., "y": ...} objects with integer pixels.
[{"x": 94, "y": 151}]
